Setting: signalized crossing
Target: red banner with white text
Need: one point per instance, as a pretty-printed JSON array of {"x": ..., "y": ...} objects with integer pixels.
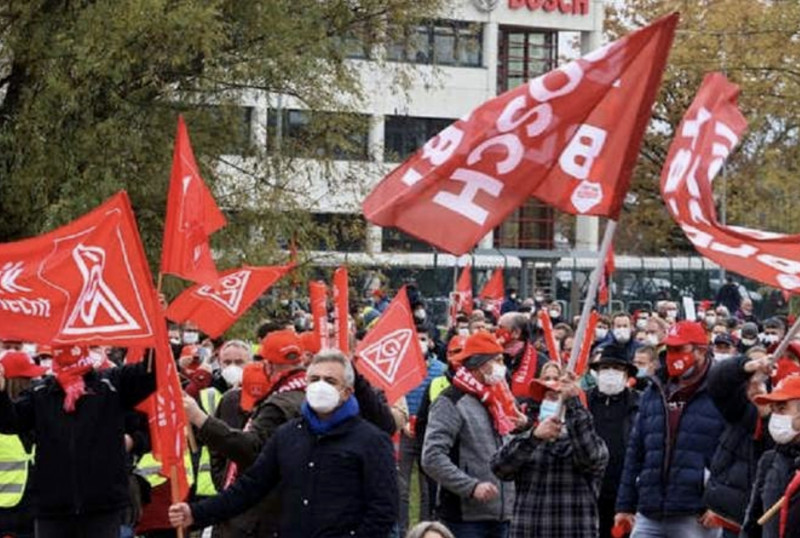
[{"x": 318, "y": 297}]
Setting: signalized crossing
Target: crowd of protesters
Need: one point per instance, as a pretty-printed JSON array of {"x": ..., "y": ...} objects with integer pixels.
[{"x": 677, "y": 428}]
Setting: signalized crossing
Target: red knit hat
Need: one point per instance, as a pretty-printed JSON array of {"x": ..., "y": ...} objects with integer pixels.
[
  {"x": 255, "y": 385},
  {"x": 19, "y": 364},
  {"x": 281, "y": 347},
  {"x": 481, "y": 347}
]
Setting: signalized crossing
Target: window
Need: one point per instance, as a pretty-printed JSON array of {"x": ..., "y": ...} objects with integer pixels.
[
  {"x": 439, "y": 42},
  {"x": 394, "y": 240},
  {"x": 405, "y": 134},
  {"x": 341, "y": 232},
  {"x": 318, "y": 135},
  {"x": 233, "y": 125},
  {"x": 523, "y": 55},
  {"x": 529, "y": 227}
]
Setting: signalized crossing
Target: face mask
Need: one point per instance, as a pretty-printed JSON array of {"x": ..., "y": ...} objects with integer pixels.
[
  {"x": 721, "y": 356},
  {"x": 678, "y": 362},
  {"x": 322, "y": 397},
  {"x": 232, "y": 375},
  {"x": 46, "y": 363},
  {"x": 651, "y": 339},
  {"x": 610, "y": 381},
  {"x": 672, "y": 314},
  {"x": 96, "y": 359},
  {"x": 539, "y": 298},
  {"x": 749, "y": 341},
  {"x": 513, "y": 296},
  {"x": 423, "y": 346},
  {"x": 547, "y": 409},
  {"x": 191, "y": 337},
  {"x": 30, "y": 349},
  {"x": 600, "y": 333},
  {"x": 419, "y": 314},
  {"x": 497, "y": 375},
  {"x": 711, "y": 321},
  {"x": 622, "y": 335},
  {"x": 555, "y": 313},
  {"x": 503, "y": 335},
  {"x": 781, "y": 429},
  {"x": 770, "y": 339},
  {"x": 463, "y": 332},
  {"x": 175, "y": 340},
  {"x": 641, "y": 324},
  {"x": 642, "y": 373}
]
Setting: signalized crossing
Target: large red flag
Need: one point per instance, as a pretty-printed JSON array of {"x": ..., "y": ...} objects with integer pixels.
[
  {"x": 389, "y": 356},
  {"x": 87, "y": 282},
  {"x": 709, "y": 131},
  {"x": 493, "y": 292},
  {"x": 341, "y": 299},
  {"x": 215, "y": 308},
  {"x": 569, "y": 138},
  {"x": 192, "y": 216},
  {"x": 318, "y": 297}
]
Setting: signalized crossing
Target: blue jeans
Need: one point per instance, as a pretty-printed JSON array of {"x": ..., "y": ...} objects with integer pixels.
[
  {"x": 672, "y": 527},
  {"x": 479, "y": 529}
]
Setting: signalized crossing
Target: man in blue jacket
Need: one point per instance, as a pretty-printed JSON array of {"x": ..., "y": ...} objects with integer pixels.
[
  {"x": 335, "y": 472},
  {"x": 672, "y": 444}
]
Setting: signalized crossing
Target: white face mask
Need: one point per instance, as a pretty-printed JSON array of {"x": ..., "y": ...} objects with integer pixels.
[
  {"x": 672, "y": 314},
  {"x": 232, "y": 375},
  {"x": 555, "y": 313},
  {"x": 600, "y": 333},
  {"x": 463, "y": 332},
  {"x": 749, "y": 341},
  {"x": 781, "y": 429},
  {"x": 622, "y": 335},
  {"x": 191, "y": 337},
  {"x": 419, "y": 314},
  {"x": 641, "y": 324},
  {"x": 611, "y": 381},
  {"x": 711, "y": 320},
  {"x": 770, "y": 339},
  {"x": 721, "y": 356},
  {"x": 497, "y": 374},
  {"x": 46, "y": 363},
  {"x": 547, "y": 409},
  {"x": 423, "y": 346},
  {"x": 322, "y": 397},
  {"x": 30, "y": 349},
  {"x": 651, "y": 339}
]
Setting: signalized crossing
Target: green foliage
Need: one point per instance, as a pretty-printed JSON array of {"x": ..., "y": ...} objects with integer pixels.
[{"x": 756, "y": 45}]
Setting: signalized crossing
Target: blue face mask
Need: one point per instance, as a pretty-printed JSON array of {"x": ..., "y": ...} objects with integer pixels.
[
  {"x": 547, "y": 409},
  {"x": 642, "y": 373}
]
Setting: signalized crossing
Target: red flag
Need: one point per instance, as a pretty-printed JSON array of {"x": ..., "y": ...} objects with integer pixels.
[
  {"x": 464, "y": 291},
  {"x": 605, "y": 278},
  {"x": 492, "y": 292},
  {"x": 709, "y": 131},
  {"x": 389, "y": 356},
  {"x": 341, "y": 296},
  {"x": 87, "y": 282},
  {"x": 525, "y": 373},
  {"x": 215, "y": 308},
  {"x": 549, "y": 336},
  {"x": 318, "y": 296},
  {"x": 192, "y": 216},
  {"x": 586, "y": 345},
  {"x": 569, "y": 138}
]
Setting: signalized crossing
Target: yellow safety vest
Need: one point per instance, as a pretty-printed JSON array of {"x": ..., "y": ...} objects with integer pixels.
[
  {"x": 209, "y": 399},
  {"x": 14, "y": 462},
  {"x": 150, "y": 469},
  {"x": 438, "y": 385}
]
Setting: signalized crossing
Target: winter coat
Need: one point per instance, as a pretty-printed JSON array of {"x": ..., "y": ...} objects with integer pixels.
[
  {"x": 557, "y": 483},
  {"x": 653, "y": 482},
  {"x": 459, "y": 441},
  {"x": 82, "y": 452},
  {"x": 733, "y": 468},
  {"x": 342, "y": 483},
  {"x": 613, "y": 419},
  {"x": 435, "y": 368},
  {"x": 775, "y": 469}
]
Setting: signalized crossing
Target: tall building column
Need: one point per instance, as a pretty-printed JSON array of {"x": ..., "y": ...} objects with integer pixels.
[{"x": 376, "y": 139}]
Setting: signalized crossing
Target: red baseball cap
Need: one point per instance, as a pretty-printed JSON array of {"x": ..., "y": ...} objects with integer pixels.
[
  {"x": 540, "y": 387},
  {"x": 255, "y": 385},
  {"x": 19, "y": 364},
  {"x": 281, "y": 347},
  {"x": 787, "y": 389},
  {"x": 686, "y": 332}
]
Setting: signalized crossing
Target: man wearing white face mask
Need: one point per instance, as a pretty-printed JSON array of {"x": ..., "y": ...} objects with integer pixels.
[
  {"x": 613, "y": 406},
  {"x": 622, "y": 335},
  {"x": 776, "y": 467},
  {"x": 336, "y": 471},
  {"x": 774, "y": 330},
  {"x": 469, "y": 415}
]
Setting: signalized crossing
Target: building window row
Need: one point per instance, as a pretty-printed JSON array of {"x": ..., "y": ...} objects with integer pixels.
[{"x": 451, "y": 43}]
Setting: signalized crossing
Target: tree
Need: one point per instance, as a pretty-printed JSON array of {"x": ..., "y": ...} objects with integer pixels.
[
  {"x": 757, "y": 45},
  {"x": 90, "y": 92}
]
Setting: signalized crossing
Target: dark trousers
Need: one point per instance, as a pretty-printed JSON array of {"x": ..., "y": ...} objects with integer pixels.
[
  {"x": 606, "y": 505},
  {"x": 106, "y": 525},
  {"x": 479, "y": 529}
]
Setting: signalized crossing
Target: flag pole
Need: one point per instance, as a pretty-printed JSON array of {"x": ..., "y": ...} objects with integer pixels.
[
  {"x": 594, "y": 281},
  {"x": 173, "y": 488},
  {"x": 781, "y": 349}
]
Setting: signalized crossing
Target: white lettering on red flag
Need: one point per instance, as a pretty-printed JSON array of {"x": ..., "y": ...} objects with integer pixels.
[
  {"x": 231, "y": 290},
  {"x": 385, "y": 355}
]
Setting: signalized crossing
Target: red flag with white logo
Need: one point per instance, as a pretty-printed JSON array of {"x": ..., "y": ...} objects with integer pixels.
[
  {"x": 341, "y": 299},
  {"x": 708, "y": 133},
  {"x": 569, "y": 138},
  {"x": 492, "y": 292},
  {"x": 215, "y": 308},
  {"x": 464, "y": 291},
  {"x": 318, "y": 297},
  {"x": 389, "y": 356},
  {"x": 192, "y": 216}
]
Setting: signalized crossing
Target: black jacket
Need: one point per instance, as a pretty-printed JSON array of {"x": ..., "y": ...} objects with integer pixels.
[
  {"x": 775, "y": 469},
  {"x": 343, "y": 483},
  {"x": 80, "y": 456},
  {"x": 733, "y": 468},
  {"x": 613, "y": 419}
]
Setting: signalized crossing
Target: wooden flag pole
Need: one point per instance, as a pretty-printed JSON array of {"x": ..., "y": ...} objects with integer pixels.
[
  {"x": 173, "y": 488},
  {"x": 781, "y": 349},
  {"x": 774, "y": 509},
  {"x": 594, "y": 281}
]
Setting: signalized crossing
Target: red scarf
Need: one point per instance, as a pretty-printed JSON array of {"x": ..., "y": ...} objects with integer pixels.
[
  {"x": 526, "y": 371},
  {"x": 70, "y": 377},
  {"x": 294, "y": 380},
  {"x": 497, "y": 399}
]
